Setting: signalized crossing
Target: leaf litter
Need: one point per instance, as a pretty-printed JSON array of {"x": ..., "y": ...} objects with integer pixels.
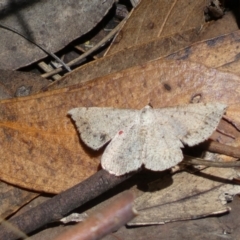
[
  {"x": 170, "y": 88},
  {"x": 190, "y": 196},
  {"x": 41, "y": 22},
  {"x": 186, "y": 46},
  {"x": 141, "y": 79}
]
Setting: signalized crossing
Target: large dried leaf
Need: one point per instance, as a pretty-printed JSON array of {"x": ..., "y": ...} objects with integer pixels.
[
  {"x": 224, "y": 25},
  {"x": 208, "y": 228},
  {"x": 221, "y": 52},
  {"x": 186, "y": 196},
  {"x": 40, "y": 147},
  {"x": 51, "y": 24},
  {"x": 127, "y": 58},
  {"x": 15, "y": 83},
  {"x": 161, "y": 18}
]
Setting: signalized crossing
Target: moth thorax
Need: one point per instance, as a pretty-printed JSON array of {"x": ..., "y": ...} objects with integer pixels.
[{"x": 147, "y": 116}]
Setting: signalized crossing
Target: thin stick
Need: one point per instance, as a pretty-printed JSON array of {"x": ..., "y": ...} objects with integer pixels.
[
  {"x": 198, "y": 161},
  {"x": 61, "y": 204},
  {"x": 217, "y": 147},
  {"x": 47, "y": 68},
  {"x": 104, "y": 221}
]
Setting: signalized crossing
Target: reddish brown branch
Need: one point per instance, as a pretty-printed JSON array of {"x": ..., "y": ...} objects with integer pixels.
[
  {"x": 105, "y": 221},
  {"x": 62, "y": 204},
  {"x": 217, "y": 147}
]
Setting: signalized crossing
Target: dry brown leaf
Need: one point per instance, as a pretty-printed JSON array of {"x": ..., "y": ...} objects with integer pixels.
[
  {"x": 127, "y": 58},
  {"x": 208, "y": 228},
  {"x": 224, "y": 25},
  {"x": 230, "y": 222},
  {"x": 203, "y": 194},
  {"x": 220, "y": 51},
  {"x": 156, "y": 19},
  {"x": 40, "y": 147},
  {"x": 160, "y": 19},
  {"x": 51, "y": 24},
  {"x": 15, "y": 83}
]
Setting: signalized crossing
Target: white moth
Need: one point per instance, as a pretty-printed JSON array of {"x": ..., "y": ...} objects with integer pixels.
[{"x": 153, "y": 137}]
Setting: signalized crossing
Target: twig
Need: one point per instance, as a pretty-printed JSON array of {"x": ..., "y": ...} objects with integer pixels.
[
  {"x": 198, "y": 161},
  {"x": 90, "y": 51},
  {"x": 104, "y": 221},
  {"x": 217, "y": 147},
  {"x": 43, "y": 49},
  {"x": 46, "y": 68},
  {"x": 62, "y": 204}
]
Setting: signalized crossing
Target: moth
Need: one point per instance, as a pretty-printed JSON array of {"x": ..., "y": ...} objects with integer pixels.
[{"x": 149, "y": 137}]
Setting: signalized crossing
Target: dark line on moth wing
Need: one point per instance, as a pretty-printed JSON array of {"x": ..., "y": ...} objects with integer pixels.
[
  {"x": 103, "y": 137},
  {"x": 129, "y": 149}
]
